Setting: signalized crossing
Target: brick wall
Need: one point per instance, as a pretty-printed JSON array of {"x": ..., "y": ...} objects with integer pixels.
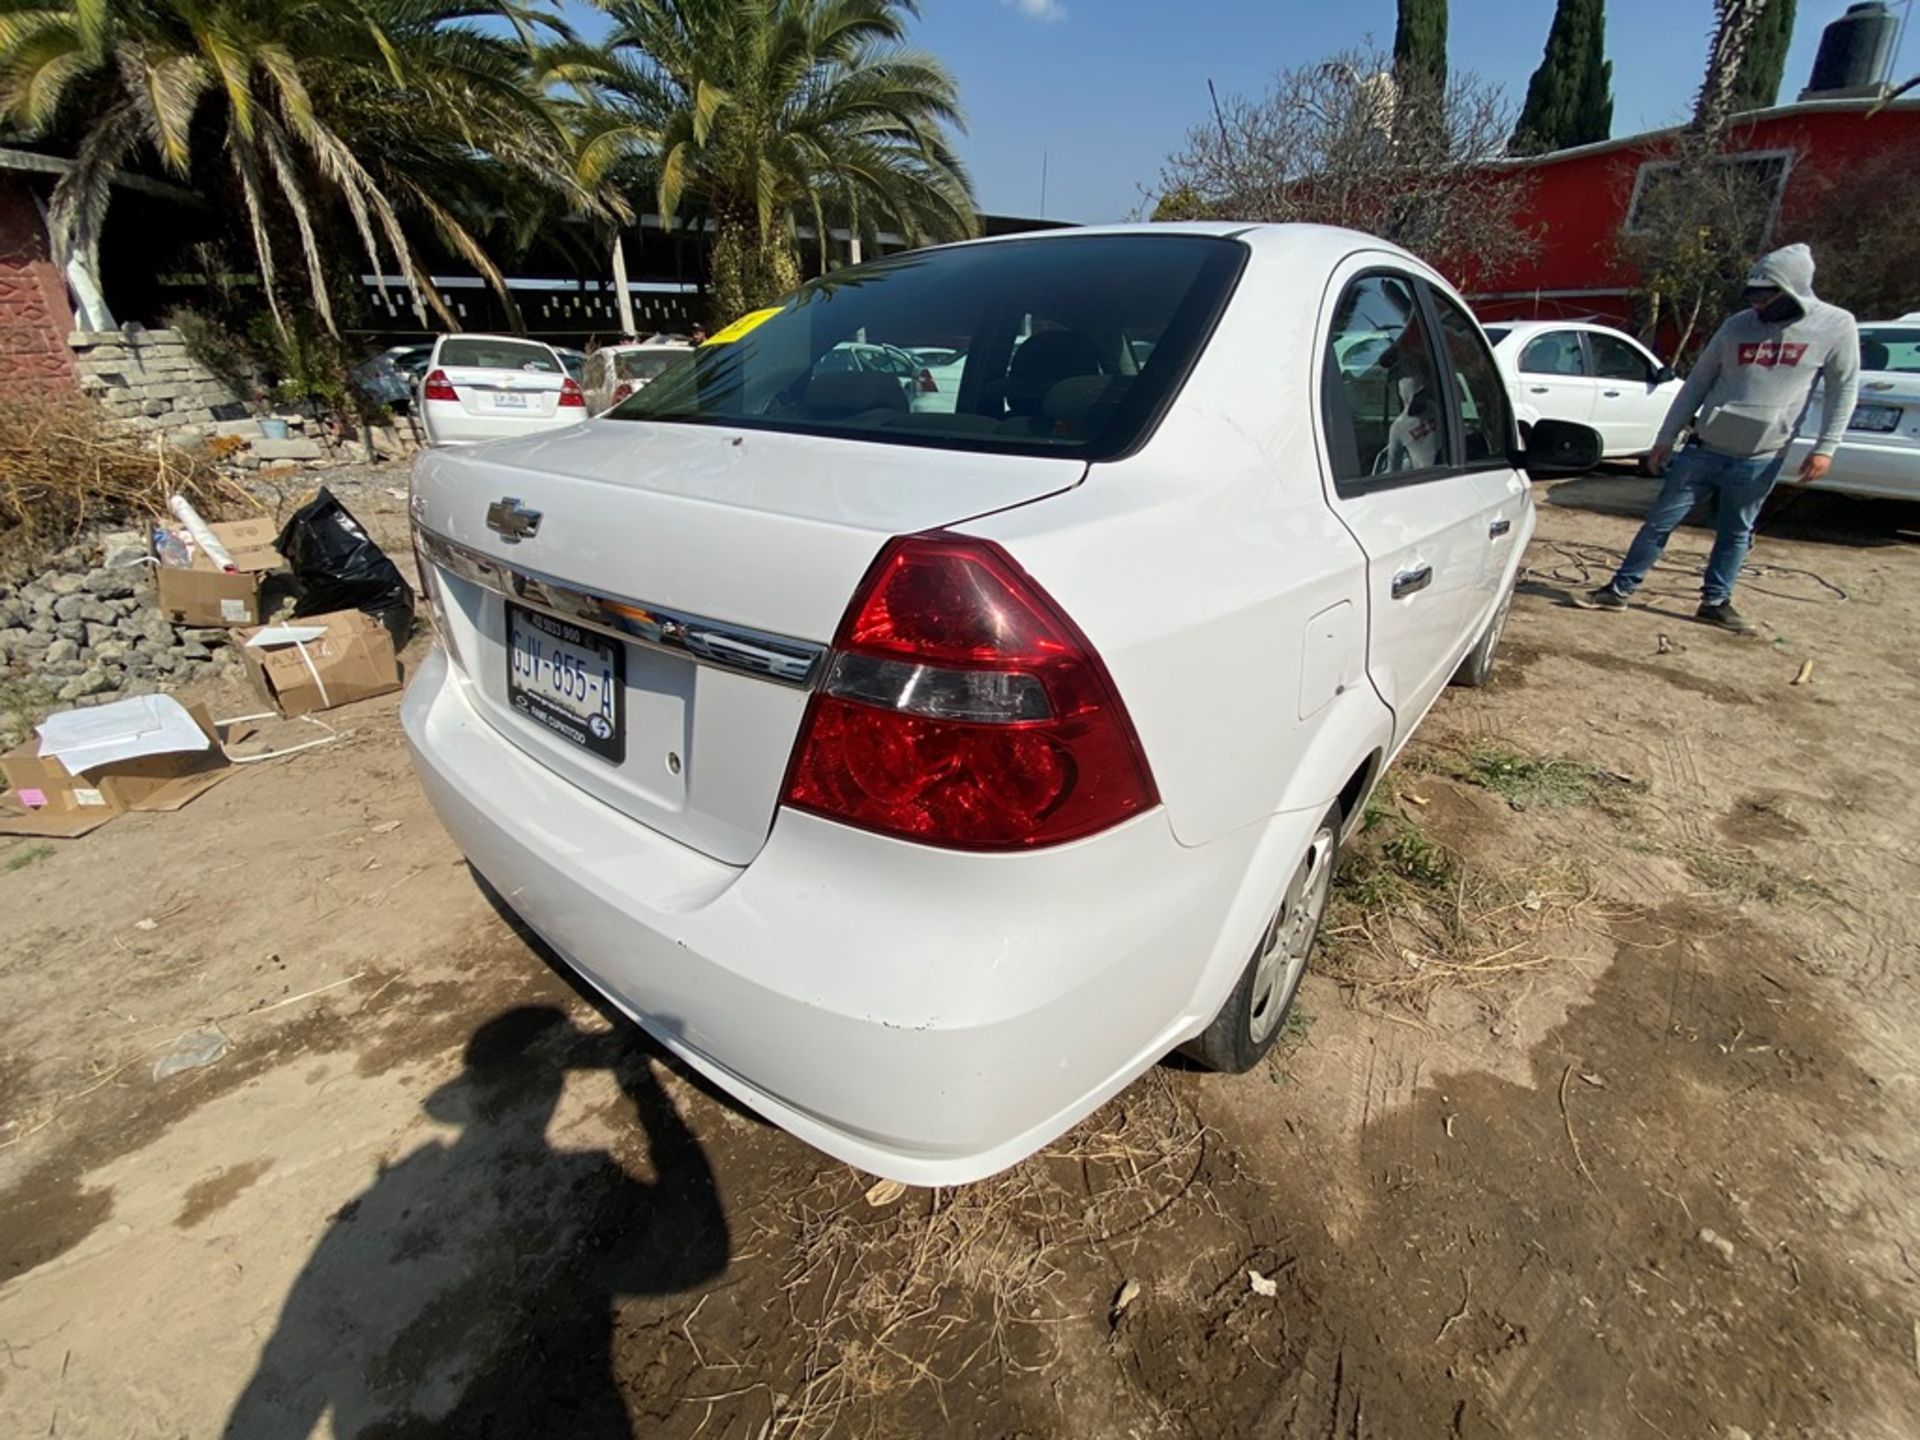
[{"x": 34, "y": 315}]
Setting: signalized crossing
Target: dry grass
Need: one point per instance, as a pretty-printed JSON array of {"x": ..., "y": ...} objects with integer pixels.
[
  {"x": 1408, "y": 915},
  {"x": 916, "y": 1295},
  {"x": 1745, "y": 876},
  {"x": 65, "y": 465},
  {"x": 1477, "y": 931}
]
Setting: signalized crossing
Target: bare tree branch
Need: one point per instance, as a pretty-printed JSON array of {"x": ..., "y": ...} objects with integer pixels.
[{"x": 1344, "y": 142}]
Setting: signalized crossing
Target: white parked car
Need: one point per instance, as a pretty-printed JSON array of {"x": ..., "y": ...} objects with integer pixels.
[
  {"x": 912, "y": 374},
  {"x": 1588, "y": 374},
  {"x": 616, "y": 371},
  {"x": 922, "y": 778},
  {"x": 1880, "y": 455},
  {"x": 491, "y": 387}
]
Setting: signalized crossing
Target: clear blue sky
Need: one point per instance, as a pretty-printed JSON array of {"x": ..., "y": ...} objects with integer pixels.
[{"x": 1107, "y": 87}]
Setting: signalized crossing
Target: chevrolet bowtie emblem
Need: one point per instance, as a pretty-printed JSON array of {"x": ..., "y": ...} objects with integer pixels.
[{"x": 512, "y": 521}]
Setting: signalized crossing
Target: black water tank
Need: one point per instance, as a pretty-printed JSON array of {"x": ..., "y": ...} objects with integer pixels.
[{"x": 1855, "y": 51}]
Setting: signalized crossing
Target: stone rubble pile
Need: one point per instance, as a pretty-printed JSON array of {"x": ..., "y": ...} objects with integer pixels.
[{"x": 87, "y": 626}]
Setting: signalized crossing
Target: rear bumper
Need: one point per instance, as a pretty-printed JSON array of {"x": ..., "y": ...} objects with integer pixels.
[{"x": 921, "y": 1014}]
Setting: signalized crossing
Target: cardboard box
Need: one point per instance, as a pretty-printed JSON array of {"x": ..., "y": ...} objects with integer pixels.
[
  {"x": 352, "y": 661},
  {"x": 204, "y": 595},
  {"x": 45, "y": 799}
]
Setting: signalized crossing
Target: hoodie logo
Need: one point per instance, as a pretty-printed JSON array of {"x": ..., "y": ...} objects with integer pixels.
[{"x": 1770, "y": 353}]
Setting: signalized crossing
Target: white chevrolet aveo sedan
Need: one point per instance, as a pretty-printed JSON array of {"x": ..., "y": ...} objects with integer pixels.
[
  {"x": 493, "y": 387},
  {"x": 1592, "y": 375},
  {"x": 923, "y": 777}
]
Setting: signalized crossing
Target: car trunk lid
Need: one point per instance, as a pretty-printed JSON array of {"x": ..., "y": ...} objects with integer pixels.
[{"x": 653, "y": 635}]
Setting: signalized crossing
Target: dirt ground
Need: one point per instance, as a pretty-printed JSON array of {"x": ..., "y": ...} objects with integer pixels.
[{"x": 1598, "y": 1118}]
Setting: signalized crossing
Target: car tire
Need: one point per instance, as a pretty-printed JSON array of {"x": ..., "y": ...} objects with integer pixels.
[
  {"x": 1477, "y": 669},
  {"x": 1251, "y": 1020}
]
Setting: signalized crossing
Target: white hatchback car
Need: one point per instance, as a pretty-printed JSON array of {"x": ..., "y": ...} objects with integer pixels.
[
  {"x": 492, "y": 387},
  {"x": 922, "y": 778},
  {"x": 1880, "y": 454},
  {"x": 1588, "y": 374}
]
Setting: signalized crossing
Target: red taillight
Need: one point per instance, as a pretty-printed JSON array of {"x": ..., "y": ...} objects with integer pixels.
[
  {"x": 925, "y": 383},
  {"x": 438, "y": 387},
  {"x": 963, "y": 708},
  {"x": 571, "y": 394},
  {"x": 622, "y": 391}
]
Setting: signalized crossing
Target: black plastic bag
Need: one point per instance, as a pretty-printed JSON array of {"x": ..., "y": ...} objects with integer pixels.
[{"x": 340, "y": 568}]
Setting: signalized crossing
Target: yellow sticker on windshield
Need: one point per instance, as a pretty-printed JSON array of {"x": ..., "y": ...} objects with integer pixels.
[{"x": 752, "y": 320}]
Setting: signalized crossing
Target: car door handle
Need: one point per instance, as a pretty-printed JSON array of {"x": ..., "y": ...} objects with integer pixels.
[
  {"x": 1538, "y": 389},
  {"x": 1409, "y": 581},
  {"x": 1499, "y": 528},
  {"x": 1611, "y": 394}
]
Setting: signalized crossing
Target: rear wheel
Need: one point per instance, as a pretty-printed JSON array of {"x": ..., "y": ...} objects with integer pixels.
[
  {"x": 1250, "y": 1021},
  {"x": 1477, "y": 669}
]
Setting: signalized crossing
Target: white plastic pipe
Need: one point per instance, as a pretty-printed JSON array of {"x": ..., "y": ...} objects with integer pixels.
[{"x": 202, "y": 535}]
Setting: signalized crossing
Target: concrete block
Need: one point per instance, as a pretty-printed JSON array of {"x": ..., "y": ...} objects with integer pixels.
[{"x": 287, "y": 449}]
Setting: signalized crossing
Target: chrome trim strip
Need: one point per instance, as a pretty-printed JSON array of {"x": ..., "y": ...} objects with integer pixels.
[{"x": 707, "y": 642}]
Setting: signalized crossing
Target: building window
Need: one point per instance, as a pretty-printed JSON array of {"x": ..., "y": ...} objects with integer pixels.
[{"x": 1750, "y": 184}]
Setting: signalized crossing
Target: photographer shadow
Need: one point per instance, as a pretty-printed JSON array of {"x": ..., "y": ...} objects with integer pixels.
[{"x": 471, "y": 1289}]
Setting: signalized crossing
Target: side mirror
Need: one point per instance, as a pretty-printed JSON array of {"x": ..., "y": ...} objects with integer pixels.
[
  {"x": 1560, "y": 447},
  {"x": 1664, "y": 374}
]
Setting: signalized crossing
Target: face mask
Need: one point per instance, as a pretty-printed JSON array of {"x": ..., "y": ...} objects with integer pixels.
[{"x": 1780, "y": 310}]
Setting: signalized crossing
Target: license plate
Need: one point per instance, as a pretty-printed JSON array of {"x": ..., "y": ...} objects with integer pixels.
[
  {"x": 568, "y": 680},
  {"x": 509, "y": 402},
  {"x": 1881, "y": 419}
]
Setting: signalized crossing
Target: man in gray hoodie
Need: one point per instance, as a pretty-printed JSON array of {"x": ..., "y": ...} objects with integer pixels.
[{"x": 1744, "y": 400}]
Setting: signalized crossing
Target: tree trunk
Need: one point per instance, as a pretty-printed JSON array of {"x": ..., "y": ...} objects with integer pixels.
[{"x": 747, "y": 271}]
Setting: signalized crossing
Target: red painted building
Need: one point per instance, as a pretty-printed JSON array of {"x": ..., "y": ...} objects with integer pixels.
[
  {"x": 34, "y": 314},
  {"x": 1583, "y": 200}
]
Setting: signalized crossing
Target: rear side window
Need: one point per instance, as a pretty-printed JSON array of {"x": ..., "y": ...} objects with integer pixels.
[
  {"x": 1615, "y": 359},
  {"x": 1480, "y": 396},
  {"x": 646, "y": 364},
  {"x": 479, "y": 352},
  {"x": 1380, "y": 383},
  {"x": 1897, "y": 351},
  {"x": 1555, "y": 353},
  {"x": 1068, "y": 346}
]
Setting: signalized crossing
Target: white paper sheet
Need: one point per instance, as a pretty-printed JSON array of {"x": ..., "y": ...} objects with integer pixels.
[
  {"x": 288, "y": 635},
  {"x": 124, "y": 730}
]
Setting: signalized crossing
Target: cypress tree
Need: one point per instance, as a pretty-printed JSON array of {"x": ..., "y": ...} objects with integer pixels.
[
  {"x": 1570, "y": 97},
  {"x": 1760, "y": 73},
  {"x": 1420, "y": 41}
]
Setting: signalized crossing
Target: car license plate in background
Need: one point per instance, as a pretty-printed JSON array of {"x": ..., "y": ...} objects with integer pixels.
[
  {"x": 1881, "y": 419},
  {"x": 569, "y": 680},
  {"x": 503, "y": 401}
]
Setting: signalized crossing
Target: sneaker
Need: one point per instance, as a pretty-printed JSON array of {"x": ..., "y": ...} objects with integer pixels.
[
  {"x": 1725, "y": 616},
  {"x": 1605, "y": 598}
]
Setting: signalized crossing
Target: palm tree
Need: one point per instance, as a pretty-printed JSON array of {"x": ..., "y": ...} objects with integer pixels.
[
  {"x": 765, "y": 112},
  {"x": 403, "y": 112}
]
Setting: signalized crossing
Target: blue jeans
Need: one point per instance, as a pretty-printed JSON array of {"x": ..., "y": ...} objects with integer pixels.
[{"x": 1739, "y": 488}]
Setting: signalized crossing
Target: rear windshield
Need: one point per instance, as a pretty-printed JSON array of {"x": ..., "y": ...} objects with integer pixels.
[
  {"x": 480, "y": 352},
  {"x": 646, "y": 364},
  {"x": 1896, "y": 351},
  {"x": 1067, "y": 346}
]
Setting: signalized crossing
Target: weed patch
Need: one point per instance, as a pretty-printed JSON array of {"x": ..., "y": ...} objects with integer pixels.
[
  {"x": 27, "y": 855},
  {"x": 1529, "y": 782},
  {"x": 1746, "y": 876}
]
